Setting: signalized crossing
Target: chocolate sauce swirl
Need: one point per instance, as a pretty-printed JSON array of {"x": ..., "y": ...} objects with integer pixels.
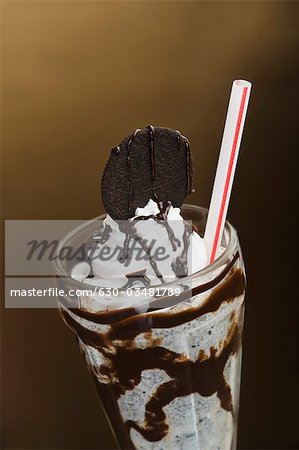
[
  {"x": 151, "y": 130},
  {"x": 204, "y": 376},
  {"x": 136, "y": 277},
  {"x": 131, "y": 190},
  {"x": 180, "y": 265},
  {"x": 103, "y": 235},
  {"x": 188, "y": 166},
  {"x": 130, "y": 232}
]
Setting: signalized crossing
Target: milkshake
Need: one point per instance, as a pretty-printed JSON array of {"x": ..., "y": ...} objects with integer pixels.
[{"x": 160, "y": 332}]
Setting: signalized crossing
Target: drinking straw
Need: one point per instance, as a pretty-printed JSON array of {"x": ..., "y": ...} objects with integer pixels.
[{"x": 228, "y": 156}]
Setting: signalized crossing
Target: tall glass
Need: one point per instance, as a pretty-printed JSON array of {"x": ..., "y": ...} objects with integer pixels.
[{"x": 167, "y": 367}]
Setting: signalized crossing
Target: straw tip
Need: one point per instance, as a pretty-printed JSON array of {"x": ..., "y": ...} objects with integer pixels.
[{"x": 242, "y": 83}]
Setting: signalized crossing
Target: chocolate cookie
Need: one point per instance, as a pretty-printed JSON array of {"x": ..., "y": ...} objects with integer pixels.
[{"x": 155, "y": 163}]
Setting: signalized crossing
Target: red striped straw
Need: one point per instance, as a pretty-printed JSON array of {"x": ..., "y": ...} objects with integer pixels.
[{"x": 226, "y": 167}]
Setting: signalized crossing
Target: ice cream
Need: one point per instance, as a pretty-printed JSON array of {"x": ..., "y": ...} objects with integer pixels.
[{"x": 111, "y": 269}]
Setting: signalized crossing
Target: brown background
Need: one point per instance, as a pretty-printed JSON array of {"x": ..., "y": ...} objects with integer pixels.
[{"x": 77, "y": 78}]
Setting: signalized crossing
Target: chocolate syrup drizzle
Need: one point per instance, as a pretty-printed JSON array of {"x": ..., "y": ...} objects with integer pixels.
[
  {"x": 161, "y": 218},
  {"x": 130, "y": 232},
  {"x": 204, "y": 376},
  {"x": 136, "y": 277},
  {"x": 180, "y": 265},
  {"x": 102, "y": 235},
  {"x": 151, "y": 130},
  {"x": 188, "y": 165},
  {"x": 187, "y": 378},
  {"x": 131, "y": 190},
  {"x": 99, "y": 237}
]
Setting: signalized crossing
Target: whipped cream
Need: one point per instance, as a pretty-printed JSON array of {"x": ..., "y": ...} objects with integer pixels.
[{"x": 110, "y": 270}]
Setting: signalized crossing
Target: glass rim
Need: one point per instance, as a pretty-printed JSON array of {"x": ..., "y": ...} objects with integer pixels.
[{"x": 223, "y": 259}]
